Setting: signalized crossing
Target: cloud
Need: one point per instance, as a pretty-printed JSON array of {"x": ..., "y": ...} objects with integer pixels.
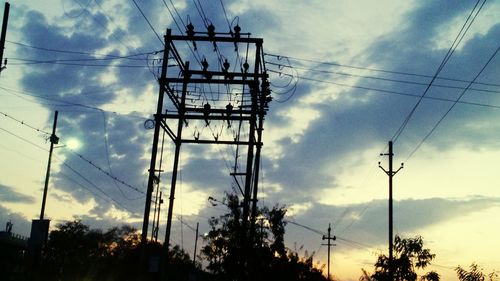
[
  {"x": 367, "y": 223},
  {"x": 21, "y": 225},
  {"x": 8, "y": 194}
]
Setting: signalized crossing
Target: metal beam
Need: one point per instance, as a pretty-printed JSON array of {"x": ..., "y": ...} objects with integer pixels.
[{"x": 216, "y": 39}]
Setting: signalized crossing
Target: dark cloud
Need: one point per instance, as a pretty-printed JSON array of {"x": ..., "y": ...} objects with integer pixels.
[
  {"x": 367, "y": 223},
  {"x": 8, "y": 194}
]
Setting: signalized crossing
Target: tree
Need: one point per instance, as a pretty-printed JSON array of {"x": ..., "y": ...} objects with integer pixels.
[
  {"x": 235, "y": 251},
  {"x": 475, "y": 274},
  {"x": 409, "y": 255}
]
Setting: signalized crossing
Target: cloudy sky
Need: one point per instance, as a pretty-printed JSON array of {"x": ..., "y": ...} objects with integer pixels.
[{"x": 347, "y": 77}]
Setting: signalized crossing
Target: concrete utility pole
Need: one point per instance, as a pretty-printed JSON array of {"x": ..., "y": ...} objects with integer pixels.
[
  {"x": 4, "y": 33},
  {"x": 53, "y": 140},
  {"x": 390, "y": 173},
  {"x": 195, "y": 243},
  {"x": 329, "y": 238}
]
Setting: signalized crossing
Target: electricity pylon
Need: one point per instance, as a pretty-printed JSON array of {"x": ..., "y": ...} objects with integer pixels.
[{"x": 187, "y": 101}]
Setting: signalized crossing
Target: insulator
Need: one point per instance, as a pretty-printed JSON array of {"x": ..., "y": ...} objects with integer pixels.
[
  {"x": 204, "y": 63},
  {"x": 226, "y": 65},
  {"x": 190, "y": 29},
  {"x": 229, "y": 109},
  {"x": 207, "y": 108},
  {"x": 211, "y": 30},
  {"x": 237, "y": 30}
]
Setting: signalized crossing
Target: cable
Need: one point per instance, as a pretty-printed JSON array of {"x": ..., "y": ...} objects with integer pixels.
[
  {"x": 172, "y": 15},
  {"x": 32, "y": 62},
  {"x": 225, "y": 15},
  {"x": 379, "y": 78},
  {"x": 67, "y": 165},
  {"x": 445, "y": 60},
  {"x": 23, "y": 139},
  {"x": 109, "y": 174},
  {"x": 387, "y": 91},
  {"x": 452, "y": 106},
  {"x": 27, "y": 93},
  {"x": 25, "y": 124},
  {"x": 96, "y": 187},
  {"x": 78, "y": 52},
  {"x": 378, "y": 70},
  {"x": 149, "y": 23}
]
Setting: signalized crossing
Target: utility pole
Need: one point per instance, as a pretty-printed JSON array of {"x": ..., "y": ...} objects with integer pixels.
[
  {"x": 195, "y": 243},
  {"x": 4, "y": 33},
  {"x": 391, "y": 174},
  {"x": 53, "y": 140},
  {"x": 329, "y": 238}
]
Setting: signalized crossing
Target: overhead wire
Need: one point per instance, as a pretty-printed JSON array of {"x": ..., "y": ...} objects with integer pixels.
[
  {"x": 386, "y": 91},
  {"x": 109, "y": 174},
  {"x": 378, "y": 78},
  {"x": 452, "y": 106},
  {"x": 69, "y": 167},
  {"x": 69, "y": 103},
  {"x": 445, "y": 60},
  {"x": 24, "y": 123},
  {"x": 109, "y": 56},
  {"x": 378, "y": 69},
  {"x": 149, "y": 23}
]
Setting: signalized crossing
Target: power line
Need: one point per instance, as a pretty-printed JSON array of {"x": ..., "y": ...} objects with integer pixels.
[
  {"x": 107, "y": 173},
  {"x": 377, "y": 78},
  {"x": 452, "y": 106},
  {"x": 96, "y": 187},
  {"x": 172, "y": 15},
  {"x": 319, "y": 232},
  {"x": 445, "y": 60},
  {"x": 279, "y": 57},
  {"x": 385, "y": 91},
  {"x": 23, "y": 139},
  {"x": 72, "y": 151},
  {"x": 71, "y": 168},
  {"x": 81, "y": 52},
  {"x": 225, "y": 15},
  {"x": 31, "y": 94},
  {"x": 149, "y": 23},
  {"x": 32, "y": 62},
  {"x": 24, "y": 123}
]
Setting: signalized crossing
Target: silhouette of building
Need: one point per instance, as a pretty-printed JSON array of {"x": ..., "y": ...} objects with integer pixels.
[{"x": 13, "y": 249}]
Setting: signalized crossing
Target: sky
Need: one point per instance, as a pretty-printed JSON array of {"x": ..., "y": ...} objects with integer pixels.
[{"x": 346, "y": 78}]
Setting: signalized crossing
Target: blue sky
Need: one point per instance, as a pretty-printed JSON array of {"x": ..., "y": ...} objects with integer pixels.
[{"x": 345, "y": 75}]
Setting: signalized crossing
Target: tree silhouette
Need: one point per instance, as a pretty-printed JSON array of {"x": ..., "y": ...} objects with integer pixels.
[
  {"x": 238, "y": 252},
  {"x": 409, "y": 255},
  {"x": 75, "y": 252},
  {"x": 474, "y": 274}
]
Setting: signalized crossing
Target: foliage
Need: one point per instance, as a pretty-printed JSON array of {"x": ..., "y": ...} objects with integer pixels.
[
  {"x": 475, "y": 274},
  {"x": 235, "y": 251},
  {"x": 75, "y": 252},
  {"x": 409, "y": 255}
]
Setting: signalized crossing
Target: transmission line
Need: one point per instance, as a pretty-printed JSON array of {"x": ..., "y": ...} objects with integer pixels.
[
  {"x": 384, "y": 91},
  {"x": 149, "y": 23},
  {"x": 452, "y": 106},
  {"x": 445, "y": 60}
]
